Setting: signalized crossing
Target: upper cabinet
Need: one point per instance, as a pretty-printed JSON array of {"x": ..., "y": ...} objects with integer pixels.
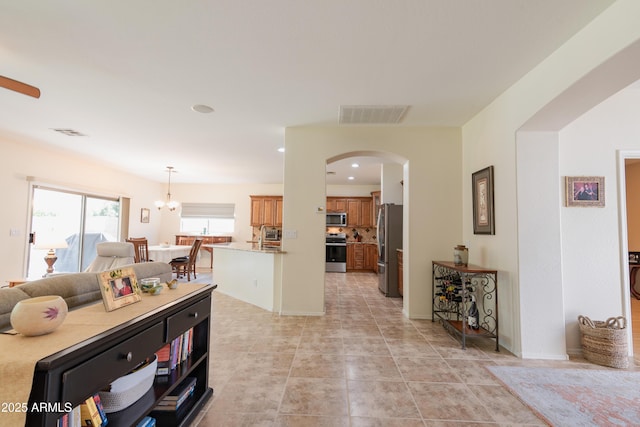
[
  {"x": 336, "y": 204},
  {"x": 359, "y": 210},
  {"x": 266, "y": 210},
  {"x": 375, "y": 197}
]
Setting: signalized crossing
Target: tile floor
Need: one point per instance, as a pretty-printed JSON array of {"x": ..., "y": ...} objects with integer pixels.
[{"x": 362, "y": 364}]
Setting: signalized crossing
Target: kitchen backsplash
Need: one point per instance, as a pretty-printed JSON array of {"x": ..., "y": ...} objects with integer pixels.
[{"x": 366, "y": 234}]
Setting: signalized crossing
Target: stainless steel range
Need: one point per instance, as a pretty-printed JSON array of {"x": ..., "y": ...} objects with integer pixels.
[{"x": 336, "y": 253}]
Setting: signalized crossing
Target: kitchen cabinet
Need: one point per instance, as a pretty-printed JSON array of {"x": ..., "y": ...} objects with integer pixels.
[
  {"x": 375, "y": 200},
  {"x": 465, "y": 300},
  {"x": 359, "y": 210},
  {"x": 371, "y": 257},
  {"x": 362, "y": 257},
  {"x": 266, "y": 210},
  {"x": 336, "y": 204}
]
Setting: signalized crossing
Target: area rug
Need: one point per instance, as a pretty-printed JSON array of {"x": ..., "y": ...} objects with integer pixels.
[{"x": 576, "y": 397}]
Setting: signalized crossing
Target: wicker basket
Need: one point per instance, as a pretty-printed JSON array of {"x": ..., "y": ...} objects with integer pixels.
[
  {"x": 605, "y": 343},
  {"x": 126, "y": 390}
]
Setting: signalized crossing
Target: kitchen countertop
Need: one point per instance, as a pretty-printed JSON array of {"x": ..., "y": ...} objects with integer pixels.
[{"x": 248, "y": 247}]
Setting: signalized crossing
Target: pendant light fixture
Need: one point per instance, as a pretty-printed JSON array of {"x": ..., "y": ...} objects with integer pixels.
[{"x": 171, "y": 204}]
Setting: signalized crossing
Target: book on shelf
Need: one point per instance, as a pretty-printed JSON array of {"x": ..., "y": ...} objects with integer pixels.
[
  {"x": 103, "y": 415},
  {"x": 89, "y": 413},
  {"x": 174, "y": 353},
  {"x": 147, "y": 422},
  {"x": 178, "y": 396}
]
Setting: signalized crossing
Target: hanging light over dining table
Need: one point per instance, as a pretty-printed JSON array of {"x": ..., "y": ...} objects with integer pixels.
[{"x": 171, "y": 204}]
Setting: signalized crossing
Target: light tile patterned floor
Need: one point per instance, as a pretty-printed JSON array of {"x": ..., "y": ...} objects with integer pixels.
[{"x": 362, "y": 364}]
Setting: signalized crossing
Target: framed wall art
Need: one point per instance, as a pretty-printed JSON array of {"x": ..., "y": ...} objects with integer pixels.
[
  {"x": 584, "y": 191},
  {"x": 144, "y": 215},
  {"x": 483, "y": 211},
  {"x": 119, "y": 288}
]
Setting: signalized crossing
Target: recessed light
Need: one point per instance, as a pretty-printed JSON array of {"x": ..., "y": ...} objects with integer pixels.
[
  {"x": 204, "y": 109},
  {"x": 355, "y": 165},
  {"x": 351, "y": 178},
  {"x": 281, "y": 149}
]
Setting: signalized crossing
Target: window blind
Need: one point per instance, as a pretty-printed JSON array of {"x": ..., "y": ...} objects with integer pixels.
[{"x": 208, "y": 210}]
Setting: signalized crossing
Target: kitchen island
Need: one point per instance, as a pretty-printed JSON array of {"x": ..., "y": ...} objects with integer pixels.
[{"x": 249, "y": 273}]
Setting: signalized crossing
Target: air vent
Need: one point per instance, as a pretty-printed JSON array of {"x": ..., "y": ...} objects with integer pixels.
[
  {"x": 69, "y": 132},
  {"x": 372, "y": 114}
]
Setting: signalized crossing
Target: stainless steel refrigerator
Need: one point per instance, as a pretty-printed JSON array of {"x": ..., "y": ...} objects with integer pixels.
[{"x": 389, "y": 236}]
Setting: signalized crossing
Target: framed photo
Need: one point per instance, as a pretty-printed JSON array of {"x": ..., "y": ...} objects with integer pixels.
[
  {"x": 634, "y": 257},
  {"x": 119, "y": 288},
  {"x": 483, "y": 214},
  {"x": 584, "y": 191},
  {"x": 144, "y": 215}
]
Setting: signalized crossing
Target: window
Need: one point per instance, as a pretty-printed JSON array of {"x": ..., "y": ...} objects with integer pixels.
[
  {"x": 75, "y": 220},
  {"x": 207, "y": 218}
]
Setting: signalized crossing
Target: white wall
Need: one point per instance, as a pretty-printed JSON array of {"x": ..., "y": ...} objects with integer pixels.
[
  {"x": 593, "y": 264},
  {"x": 20, "y": 160},
  {"x": 545, "y": 99},
  {"x": 432, "y": 205}
]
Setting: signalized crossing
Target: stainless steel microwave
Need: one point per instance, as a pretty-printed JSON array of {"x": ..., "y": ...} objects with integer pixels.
[{"x": 336, "y": 219}]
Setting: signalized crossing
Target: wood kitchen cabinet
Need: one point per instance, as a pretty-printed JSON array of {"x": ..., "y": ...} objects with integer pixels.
[
  {"x": 336, "y": 204},
  {"x": 375, "y": 199},
  {"x": 266, "y": 210},
  {"x": 362, "y": 257},
  {"x": 371, "y": 257},
  {"x": 359, "y": 210},
  {"x": 355, "y": 256}
]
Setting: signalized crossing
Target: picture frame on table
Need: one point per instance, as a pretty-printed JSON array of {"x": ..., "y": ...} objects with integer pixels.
[
  {"x": 145, "y": 213},
  {"x": 119, "y": 288},
  {"x": 584, "y": 191},
  {"x": 483, "y": 207}
]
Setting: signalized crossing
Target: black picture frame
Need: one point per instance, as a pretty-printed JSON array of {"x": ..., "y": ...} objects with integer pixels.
[{"x": 483, "y": 206}]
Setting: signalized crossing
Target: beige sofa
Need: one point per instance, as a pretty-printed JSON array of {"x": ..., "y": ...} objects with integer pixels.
[{"x": 77, "y": 289}]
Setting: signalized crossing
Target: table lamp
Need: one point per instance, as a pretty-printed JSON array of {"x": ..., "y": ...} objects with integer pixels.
[{"x": 51, "y": 257}]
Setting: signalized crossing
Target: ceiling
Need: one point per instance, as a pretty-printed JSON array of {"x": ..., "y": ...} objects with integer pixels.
[{"x": 126, "y": 74}]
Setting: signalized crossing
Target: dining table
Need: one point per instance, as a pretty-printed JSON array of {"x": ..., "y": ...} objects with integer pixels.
[{"x": 165, "y": 253}]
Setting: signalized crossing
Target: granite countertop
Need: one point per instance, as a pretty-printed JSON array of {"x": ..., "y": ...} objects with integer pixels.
[{"x": 248, "y": 247}]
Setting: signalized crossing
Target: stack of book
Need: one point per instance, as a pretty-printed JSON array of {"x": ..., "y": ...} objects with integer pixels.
[
  {"x": 89, "y": 413},
  {"x": 174, "y": 353},
  {"x": 178, "y": 396}
]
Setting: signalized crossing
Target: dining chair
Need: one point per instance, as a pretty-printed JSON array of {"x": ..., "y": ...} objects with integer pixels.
[
  {"x": 187, "y": 265},
  {"x": 141, "y": 248}
]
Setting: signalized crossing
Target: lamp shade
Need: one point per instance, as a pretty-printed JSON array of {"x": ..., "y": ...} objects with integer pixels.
[{"x": 51, "y": 244}]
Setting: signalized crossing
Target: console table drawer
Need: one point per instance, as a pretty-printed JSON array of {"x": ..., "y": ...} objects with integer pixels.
[
  {"x": 187, "y": 318},
  {"x": 113, "y": 363}
]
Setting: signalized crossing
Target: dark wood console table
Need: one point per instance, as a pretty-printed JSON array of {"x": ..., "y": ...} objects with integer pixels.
[{"x": 78, "y": 372}]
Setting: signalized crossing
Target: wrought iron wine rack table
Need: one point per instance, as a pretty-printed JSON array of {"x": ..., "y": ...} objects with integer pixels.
[{"x": 454, "y": 289}]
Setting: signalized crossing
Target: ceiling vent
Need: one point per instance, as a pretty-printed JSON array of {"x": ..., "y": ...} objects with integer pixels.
[
  {"x": 372, "y": 114},
  {"x": 69, "y": 132}
]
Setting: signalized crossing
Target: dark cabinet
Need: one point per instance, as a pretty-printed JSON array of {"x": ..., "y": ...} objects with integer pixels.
[{"x": 73, "y": 375}]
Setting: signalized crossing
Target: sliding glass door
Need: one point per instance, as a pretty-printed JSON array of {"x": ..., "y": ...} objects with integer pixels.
[{"x": 71, "y": 224}]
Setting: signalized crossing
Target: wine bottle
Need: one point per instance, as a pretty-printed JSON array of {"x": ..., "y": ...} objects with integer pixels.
[{"x": 473, "y": 317}]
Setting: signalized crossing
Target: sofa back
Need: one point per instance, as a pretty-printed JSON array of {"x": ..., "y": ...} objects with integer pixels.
[{"x": 77, "y": 289}]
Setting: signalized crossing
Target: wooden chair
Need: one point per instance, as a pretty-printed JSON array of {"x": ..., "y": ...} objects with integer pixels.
[
  {"x": 187, "y": 265},
  {"x": 141, "y": 249}
]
